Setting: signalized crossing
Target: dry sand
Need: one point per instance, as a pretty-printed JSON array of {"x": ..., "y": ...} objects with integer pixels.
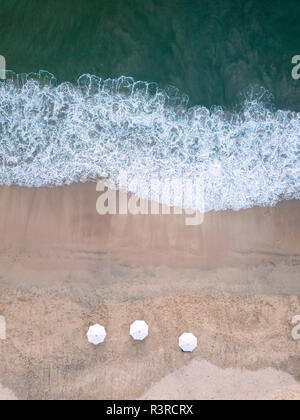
[{"x": 233, "y": 281}]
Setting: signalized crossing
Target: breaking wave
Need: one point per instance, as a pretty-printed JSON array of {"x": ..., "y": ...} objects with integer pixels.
[{"x": 55, "y": 134}]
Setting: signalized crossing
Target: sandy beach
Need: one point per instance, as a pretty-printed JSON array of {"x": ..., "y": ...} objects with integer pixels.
[{"x": 233, "y": 281}]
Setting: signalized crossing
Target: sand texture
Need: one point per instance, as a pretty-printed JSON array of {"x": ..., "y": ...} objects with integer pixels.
[{"x": 233, "y": 282}]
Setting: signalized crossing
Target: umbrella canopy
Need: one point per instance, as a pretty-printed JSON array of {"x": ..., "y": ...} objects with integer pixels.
[
  {"x": 139, "y": 330},
  {"x": 188, "y": 342},
  {"x": 96, "y": 334}
]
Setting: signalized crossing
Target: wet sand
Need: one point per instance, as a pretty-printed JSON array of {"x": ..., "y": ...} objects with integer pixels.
[{"x": 233, "y": 281}]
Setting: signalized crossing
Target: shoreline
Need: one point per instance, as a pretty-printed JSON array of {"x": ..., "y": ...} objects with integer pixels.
[
  {"x": 67, "y": 216},
  {"x": 233, "y": 281}
]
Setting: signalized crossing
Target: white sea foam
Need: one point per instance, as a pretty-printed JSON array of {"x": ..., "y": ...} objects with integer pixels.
[{"x": 53, "y": 135}]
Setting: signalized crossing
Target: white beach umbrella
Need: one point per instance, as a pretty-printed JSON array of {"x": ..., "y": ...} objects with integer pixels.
[
  {"x": 188, "y": 342},
  {"x": 96, "y": 334},
  {"x": 139, "y": 330}
]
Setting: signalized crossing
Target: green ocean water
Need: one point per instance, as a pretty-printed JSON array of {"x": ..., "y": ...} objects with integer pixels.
[{"x": 210, "y": 49}]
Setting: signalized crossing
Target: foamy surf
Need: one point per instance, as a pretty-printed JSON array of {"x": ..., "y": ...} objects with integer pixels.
[{"x": 55, "y": 134}]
